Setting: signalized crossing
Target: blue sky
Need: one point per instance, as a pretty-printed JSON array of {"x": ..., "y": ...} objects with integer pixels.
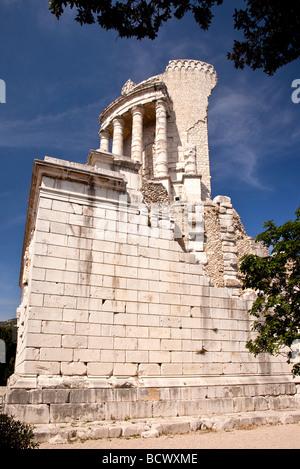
[{"x": 59, "y": 77}]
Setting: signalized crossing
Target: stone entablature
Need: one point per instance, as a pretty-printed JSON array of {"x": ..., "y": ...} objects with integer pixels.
[{"x": 136, "y": 107}]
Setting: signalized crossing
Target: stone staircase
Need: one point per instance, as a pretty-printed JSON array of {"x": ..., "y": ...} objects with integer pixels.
[{"x": 151, "y": 428}]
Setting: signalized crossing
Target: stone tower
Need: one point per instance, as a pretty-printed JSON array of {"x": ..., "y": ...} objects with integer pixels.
[
  {"x": 154, "y": 123},
  {"x": 131, "y": 300}
]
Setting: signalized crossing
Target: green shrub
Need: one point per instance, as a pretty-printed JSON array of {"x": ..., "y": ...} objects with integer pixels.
[{"x": 15, "y": 434}]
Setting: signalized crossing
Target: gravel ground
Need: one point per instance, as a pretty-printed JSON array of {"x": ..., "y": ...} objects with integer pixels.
[{"x": 258, "y": 437}]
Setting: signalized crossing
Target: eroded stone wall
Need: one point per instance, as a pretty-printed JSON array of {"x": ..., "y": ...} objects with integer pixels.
[
  {"x": 113, "y": 301},
  {"x": 214, "y": 267}
]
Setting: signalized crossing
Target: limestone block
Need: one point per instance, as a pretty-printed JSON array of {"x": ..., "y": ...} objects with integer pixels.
[
  {"x": 125, "y": 369},
  {"x": 222, "y": 200},
  {"x": 160, "y": 333},
  {"x": 36, "y": 299},
  {"x": 93, "y": 433},
  {"x": 152, "y": 369},
  {"x": 73, "y": 368},
  {"x": 81, "y": 411},
  {"x": 52, "y": 327},
  {"x": 116, "y": 411},
  {"x": 31, "y": 354},
  {"x": 148, "y": 320},
  {"x": 136, "y": 356},
  {"x": 56, "y": 396},
  {"x": 136, "y": 331},
  {"x": 148, "y": 344},
  {"x": 112, "y": 356},
  {"x": 182, "y": 357},
  {"x": 132, "y": 429},
  {"x": 89, "y": 355},
  {"x": 99, "y": 369},
  {"x": 45, "y": 203},
  {"x": 125, "y": 394},
  {"x": 260, "y": 403},
  {"x": 171, "y": 369},
  {"x": 82, "y": 396},
  {"x": 32, "y": 414},
  {"x": 34, "y": 326},
  {"x": 128, "y": 343},
  {"x": 159, "y": 357},
  {"x": 55, "y": 301},
  {"x": 44, "y": 313},
  {"x": 17, "y": 396},
  {"x": 56, "y": 354},
  {"x": 72, "y": 341},
  {"x": 43, "y": 225},
  {"x": 165, "y": 408},
  {"x": 243, "y": 404},
  {"x": 153, "y": 432},
  {"x": 43, "y": 340},
  {"x": 126, "y": 295},
  {"x": 100, "y": 342},
  {"x": 38, "y": 274},
  {"x": 52, "y": 215},
  {"x": 114, "y": 431}
]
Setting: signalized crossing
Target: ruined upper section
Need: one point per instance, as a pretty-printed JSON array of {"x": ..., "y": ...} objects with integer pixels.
[{"x": 162, "y": 124}]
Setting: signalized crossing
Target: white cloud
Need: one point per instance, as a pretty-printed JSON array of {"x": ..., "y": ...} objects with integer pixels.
[
  {"x": 66, "y": 129},
  {"x": 247, "y": 124},
  {"x": 149, "y": 58}
]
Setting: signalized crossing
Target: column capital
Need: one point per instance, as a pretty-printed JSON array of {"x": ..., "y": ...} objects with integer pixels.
[
  {"x": 161, "y": 103},
  {"x": 104, "y": 132},
  {"x": 118, "y": 120},
  {"x": 105, "y": 137},
  {"x": 138, "y": 108}
]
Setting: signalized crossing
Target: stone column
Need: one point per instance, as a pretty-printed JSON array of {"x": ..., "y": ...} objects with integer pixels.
[
  {"x": 104, "y": 140},
  {"x": 137, "y": 133},
  {"x": 161, "y": 139},
  {"x": 117, "y": 146}
]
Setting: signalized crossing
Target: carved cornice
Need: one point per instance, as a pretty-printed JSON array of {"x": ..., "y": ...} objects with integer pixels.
[
  {"x": 190, "y": 64},
  {"x": 145, "y": 92}
]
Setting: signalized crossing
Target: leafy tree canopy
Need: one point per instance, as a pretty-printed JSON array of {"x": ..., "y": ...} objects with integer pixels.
[
  {"x": 271, "y": 28},
  {"x": 276, "y": 279}
]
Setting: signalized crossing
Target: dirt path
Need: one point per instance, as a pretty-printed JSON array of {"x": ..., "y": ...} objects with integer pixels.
[{"x": 260, "y": 437}]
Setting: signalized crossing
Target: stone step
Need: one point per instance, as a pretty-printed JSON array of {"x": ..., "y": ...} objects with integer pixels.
[{"x": 151, "y": 428}]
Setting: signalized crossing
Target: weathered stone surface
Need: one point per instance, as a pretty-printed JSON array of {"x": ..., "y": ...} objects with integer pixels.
[{"x": 29, "y": 413}]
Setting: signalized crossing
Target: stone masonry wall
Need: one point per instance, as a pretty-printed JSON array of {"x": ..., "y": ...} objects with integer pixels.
[
  {"x": 214, "y": 268},
  {"x": 112, "y": 302},
  {"x": 226, "y": 242}
]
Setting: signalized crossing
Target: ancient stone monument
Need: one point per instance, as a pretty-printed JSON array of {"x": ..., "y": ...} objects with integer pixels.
[{"x": 131, "y": 298}]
